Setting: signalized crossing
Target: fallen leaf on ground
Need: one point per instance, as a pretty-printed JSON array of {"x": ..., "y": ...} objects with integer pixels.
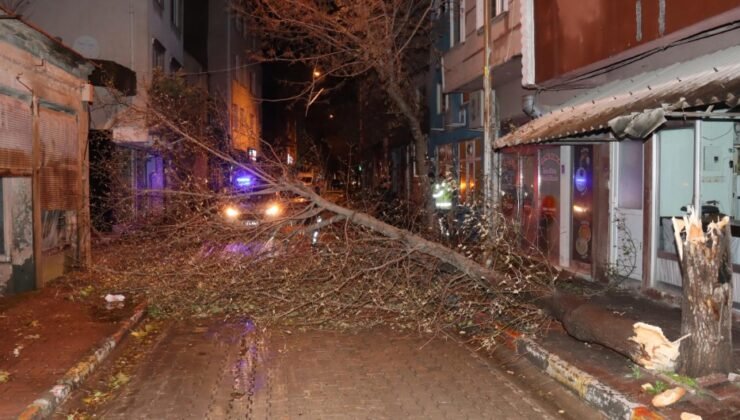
[
  {"x": 118, "y": 380},
  {"x": 95, "y": 397},
  {"x": 4, "y": 376},
  {"x": 690, "y": 416}
]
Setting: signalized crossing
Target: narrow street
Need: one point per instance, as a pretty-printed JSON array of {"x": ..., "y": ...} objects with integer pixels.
[{"x": 216, "y": 370}]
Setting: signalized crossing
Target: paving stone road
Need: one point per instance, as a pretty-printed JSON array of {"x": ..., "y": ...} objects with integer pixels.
[{"x": 211, "y": 370}]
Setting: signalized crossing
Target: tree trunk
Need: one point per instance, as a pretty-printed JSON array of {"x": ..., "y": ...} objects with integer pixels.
[
  {"x": 644, "y": 344},
  {"x": 420, "y": 142},
  {"x": 706, "y": 310}
]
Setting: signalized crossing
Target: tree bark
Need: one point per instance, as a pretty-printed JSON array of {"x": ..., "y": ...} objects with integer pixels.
[
  {"x": 642, "y": 343},
  {"x": 420, "y": 146},
  {"x": 706, "y": 309}
]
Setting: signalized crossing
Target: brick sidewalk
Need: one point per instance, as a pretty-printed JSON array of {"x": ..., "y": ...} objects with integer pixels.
[
  {"x": 45, "y": 333},
  {"x": 214, "y": 370}
]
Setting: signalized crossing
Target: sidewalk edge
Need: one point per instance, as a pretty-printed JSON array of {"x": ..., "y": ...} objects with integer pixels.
[
  {"x": 44, "y": 406},
  {"x": 600, "y": 396}
]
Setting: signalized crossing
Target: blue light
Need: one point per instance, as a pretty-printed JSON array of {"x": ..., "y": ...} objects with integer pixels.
[{"x": 243, "y": 181}]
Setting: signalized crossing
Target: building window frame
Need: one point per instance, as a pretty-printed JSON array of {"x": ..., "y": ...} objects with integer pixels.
[
  {"x": 175, "y": 65},
  {"x": 176, "y": 16},
  {"x": 158, "y": 6},
  {"x": 499, "y": 7},
  {"x": 158, "y": 55}
]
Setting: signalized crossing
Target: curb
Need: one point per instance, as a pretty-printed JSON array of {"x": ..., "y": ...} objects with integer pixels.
[
  {"x": 600, "y": 396},
  {"x": 44, "y": 406}
]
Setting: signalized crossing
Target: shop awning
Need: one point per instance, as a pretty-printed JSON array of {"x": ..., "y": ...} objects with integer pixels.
[{"x": 635, "y": 107}]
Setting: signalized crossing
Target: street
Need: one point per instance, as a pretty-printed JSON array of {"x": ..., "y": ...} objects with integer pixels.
[{"x": 215, "y": 370}]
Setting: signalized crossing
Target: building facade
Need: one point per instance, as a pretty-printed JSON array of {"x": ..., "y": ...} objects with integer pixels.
[
  {"x": 629, "y": 126},
  {"x": 44, "y": 200},
  {"x": 235, "y": 77},
  {"x": 136, "y": 39},
  {"x": 455, "y": 88}
]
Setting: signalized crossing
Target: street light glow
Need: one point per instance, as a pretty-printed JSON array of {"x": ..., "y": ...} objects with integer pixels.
[{"x": 231, "y": 212}]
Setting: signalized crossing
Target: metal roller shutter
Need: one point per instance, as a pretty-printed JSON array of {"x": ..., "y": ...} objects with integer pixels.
[
  {"x": 15, "y": 134},
  {"x": 60, "y": 175}
]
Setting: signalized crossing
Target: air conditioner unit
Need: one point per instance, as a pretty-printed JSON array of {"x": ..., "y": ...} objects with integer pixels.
[{"x": 475, "y": 110}]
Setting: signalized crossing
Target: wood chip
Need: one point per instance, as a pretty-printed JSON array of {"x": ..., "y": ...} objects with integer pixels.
[{"x": 668, "y": 397}]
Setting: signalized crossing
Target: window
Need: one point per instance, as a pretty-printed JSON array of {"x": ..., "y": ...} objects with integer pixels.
[
  {"x": 158, "y": 52},
  {"x": 629, "y": 181},
  {"x": 176, "y": 15},
  {"x": 457, "y": 22},
  {"x": 159, "y": 5},
  {"x": 479, "y": 13},
  {"x": 499, "y": 6},
  {"x": 175, "y": 66},
  {"x": 439, "y": 98},
  {"x": 252, "y": 153},
  {"x": 234, "y": 117}
]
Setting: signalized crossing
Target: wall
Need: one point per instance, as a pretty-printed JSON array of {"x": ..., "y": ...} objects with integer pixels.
[
  {"x": 463, "y": 63},
  {"x": 234, "y": 77},
  {"x": 31, "y": 63},
  {"x": 115, "y": 30},
  {"x": 572, "y": 34}
]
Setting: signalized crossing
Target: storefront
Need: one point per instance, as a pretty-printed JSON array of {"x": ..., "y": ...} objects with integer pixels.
[
  {"x": 530, "y": 193},
  {"x": 633, "y": 154}
]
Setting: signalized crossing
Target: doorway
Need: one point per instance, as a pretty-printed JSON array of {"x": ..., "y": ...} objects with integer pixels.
[{"x": 626, "y": 227}]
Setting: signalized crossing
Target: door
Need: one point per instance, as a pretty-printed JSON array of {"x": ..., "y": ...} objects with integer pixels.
[{"x": 626, "y": 231}]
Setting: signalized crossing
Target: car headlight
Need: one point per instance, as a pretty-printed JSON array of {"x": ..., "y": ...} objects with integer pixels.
[
  {"x": 231, "y": 212},
  {"x": 273, "y": 210}
]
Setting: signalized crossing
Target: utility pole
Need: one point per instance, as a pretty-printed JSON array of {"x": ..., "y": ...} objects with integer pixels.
[{"x": 487, "y": 112}]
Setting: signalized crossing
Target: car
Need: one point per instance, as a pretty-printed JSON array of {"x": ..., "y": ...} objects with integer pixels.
[{"x": 253, "y": 210}]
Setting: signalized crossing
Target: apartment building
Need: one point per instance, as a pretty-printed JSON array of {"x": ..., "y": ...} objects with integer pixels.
[
  {"x": 234, "y": 76},
  {"x": 129, "y": 40},
  {"x": 455, "y": 88}
]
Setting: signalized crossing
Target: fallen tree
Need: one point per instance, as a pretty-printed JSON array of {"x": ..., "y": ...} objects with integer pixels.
[
  {"x": 191, "y": 261},
  {"x": 644, "y": 344}
]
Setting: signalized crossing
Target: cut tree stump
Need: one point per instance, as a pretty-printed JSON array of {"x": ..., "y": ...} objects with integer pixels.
[{"x": 706, "y": 309}]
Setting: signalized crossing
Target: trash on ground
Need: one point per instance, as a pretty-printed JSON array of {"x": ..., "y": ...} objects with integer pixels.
[{"x": 114, "y": 298}]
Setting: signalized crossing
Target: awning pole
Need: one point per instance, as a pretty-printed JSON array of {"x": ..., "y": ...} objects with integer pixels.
[{"x": 697, "y": 167}]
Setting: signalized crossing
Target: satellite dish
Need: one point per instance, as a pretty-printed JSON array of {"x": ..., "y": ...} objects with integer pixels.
[{"x": 87, "y": 46}]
